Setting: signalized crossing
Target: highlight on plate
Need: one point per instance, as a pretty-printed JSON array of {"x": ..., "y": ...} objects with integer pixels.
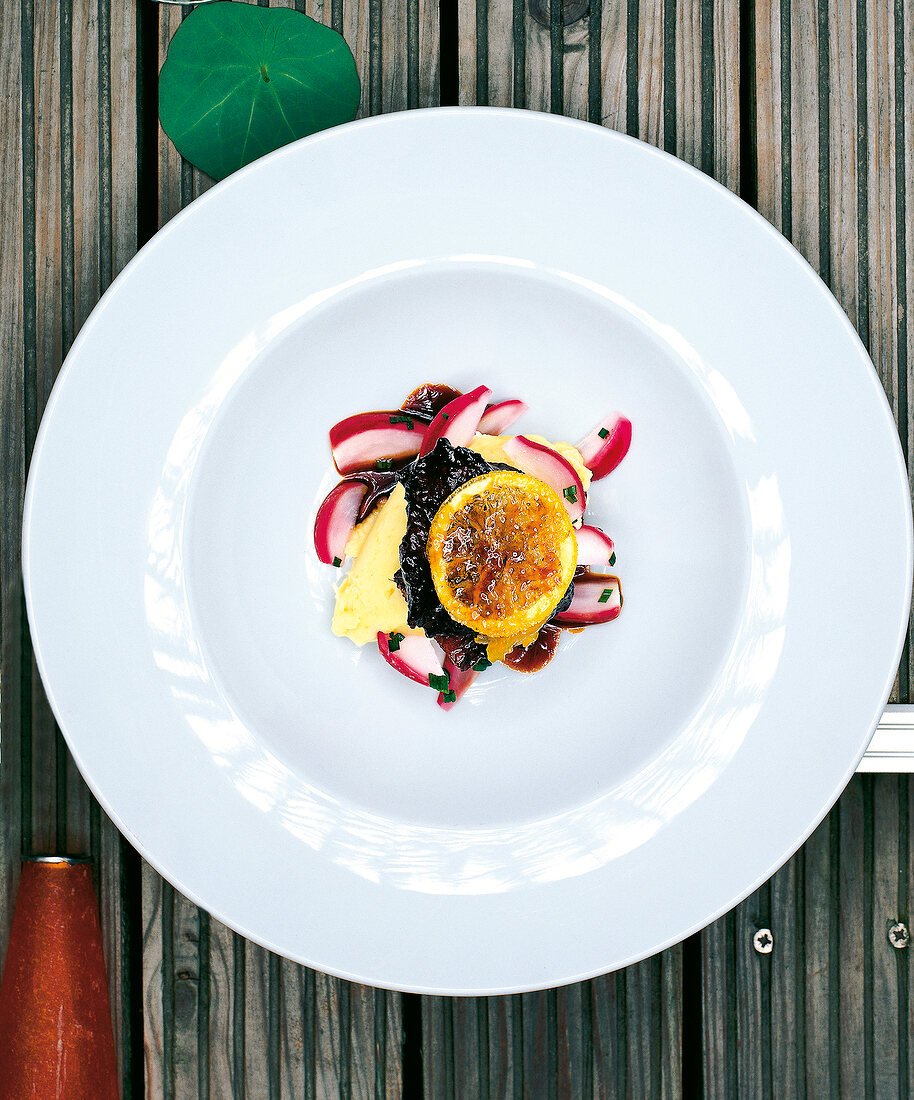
[{"x": 467, "y": 545}]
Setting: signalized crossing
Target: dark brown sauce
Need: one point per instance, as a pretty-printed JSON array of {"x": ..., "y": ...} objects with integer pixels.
[
  {"x": 538, "y": 654},
  {"x": 429, "y": 399}
]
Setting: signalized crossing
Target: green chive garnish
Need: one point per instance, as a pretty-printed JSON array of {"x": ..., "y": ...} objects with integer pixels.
[
  {"x": 439, "y": 683},
  {"x": 612, "y": 559},
  {"x": 481, "y": 665},
  {"x": 604, "y": 595},
  {"x": 449, "y": 696},
  {"x": 393, "y": 642},
  {"x": 407, "y": 420},
  {"x": 571, "y": 494},
  {"x": 337, "y": 562},
  {"x": 444, "y": 416},
  {"x": 603, "y": 433},
  {"x": 384, "y": 464}
]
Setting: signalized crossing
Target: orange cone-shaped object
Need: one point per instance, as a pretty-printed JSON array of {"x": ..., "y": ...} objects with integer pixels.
[{"x": 56, "y": 1039}]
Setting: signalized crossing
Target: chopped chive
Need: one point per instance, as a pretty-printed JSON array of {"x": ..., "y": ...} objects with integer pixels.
[
  {"x": 393, "y": 642},
  {"x": 571, "y": 494},
  {"x": 481, "y": 665},
  {"x": 439, "y": 683},
  {"x": 449, "y": 696},
  {"x": 444, "y": 416},
  {"x": 612, "y": 559},
  {"x": 337, "y": 562},
  {"x": 384, "y": 464},
  {"x": 603, "y": 433},
  {"x": 407, "y": 420},
  {"x": 604, "y": 595}
]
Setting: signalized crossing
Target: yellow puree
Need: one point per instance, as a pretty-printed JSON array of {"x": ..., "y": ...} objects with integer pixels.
[{"x": 367, "y": 600}]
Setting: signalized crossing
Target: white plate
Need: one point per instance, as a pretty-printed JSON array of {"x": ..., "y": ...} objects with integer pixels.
[{"x": 549, "y": 827}]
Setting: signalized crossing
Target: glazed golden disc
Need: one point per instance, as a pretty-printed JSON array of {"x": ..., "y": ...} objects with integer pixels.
[{"x": 502, "y": 553}]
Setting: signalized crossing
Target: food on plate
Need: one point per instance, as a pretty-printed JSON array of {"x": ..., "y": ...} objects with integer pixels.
[{"x": 468, "y": 545}]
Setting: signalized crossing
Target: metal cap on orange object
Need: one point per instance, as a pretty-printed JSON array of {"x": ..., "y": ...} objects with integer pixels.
[{"x": 55, "y": 1021}]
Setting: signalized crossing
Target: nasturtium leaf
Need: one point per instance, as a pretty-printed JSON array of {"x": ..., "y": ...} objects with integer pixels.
[{"x": 241, "y": 80}]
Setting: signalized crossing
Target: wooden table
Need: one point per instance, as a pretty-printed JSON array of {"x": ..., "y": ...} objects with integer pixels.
[{"x": 805, "y": 108}]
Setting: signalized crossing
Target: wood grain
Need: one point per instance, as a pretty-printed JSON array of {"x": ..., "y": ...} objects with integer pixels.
[{"x": 16, "y": 317}]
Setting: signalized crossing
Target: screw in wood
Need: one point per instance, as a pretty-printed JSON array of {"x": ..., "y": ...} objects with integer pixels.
[
  {"x": 899, "y": 936},
  {"x": 763, "y": 941}
]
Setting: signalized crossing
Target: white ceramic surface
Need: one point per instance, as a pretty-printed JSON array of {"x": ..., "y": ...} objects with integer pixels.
[{"x": 549, "y": 827}]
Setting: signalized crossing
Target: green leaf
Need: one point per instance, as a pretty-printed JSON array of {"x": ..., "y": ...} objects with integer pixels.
[{"x": 240, "y": 81}]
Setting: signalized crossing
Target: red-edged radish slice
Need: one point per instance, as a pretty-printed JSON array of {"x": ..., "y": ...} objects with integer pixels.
[
  {"x": 414, "y": 656},
  {"x": 498, "y": 418},
  {"x": 335, "y": 520},
  {"x": 458, "y": 420},
  {"x": 597, "y": 599},
  {"x": 595, "y": 548},
  {"x": 605, "y": 447},
  {"x": 549, "y": 466},
  {"x": 459, "y": 682},
  {"x": 375, "y": 440}
]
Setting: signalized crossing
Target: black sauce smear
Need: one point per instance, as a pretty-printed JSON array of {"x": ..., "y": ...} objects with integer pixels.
[{"x": 428, "y": 482}]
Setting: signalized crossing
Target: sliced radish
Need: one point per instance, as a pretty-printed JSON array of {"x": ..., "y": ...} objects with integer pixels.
[
  {"x": 597, "y": 599},
  {"x": 498, "y": 418},
  {"x": 458, "y": 420},
  {"x": 459, "y": 682},
  {"x": 375, "y": 440},
  {"x": 595, "y": 548},
  {"x": 549, "y": 466},
  {"x": 605, "y": 447},
  {"x": 335, "y": 519},
  {"x": 414, "y": 656}
]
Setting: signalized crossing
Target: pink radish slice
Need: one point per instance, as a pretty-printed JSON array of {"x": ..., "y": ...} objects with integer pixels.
[
  {"x": 459, "y": 682},
  {"x": 414, "y": 656},
  {"x": 549, "y": 466},
  {"x": 597, "y": 599},
  {"x": 359, "y": 442},
  {"x": 458, "y": 420},
  {"x": 595, "y": 548},
  {"x": 335, "y": 520},
  {"x": 605, "y": 447},
  {"x": 498, "y": 418}
]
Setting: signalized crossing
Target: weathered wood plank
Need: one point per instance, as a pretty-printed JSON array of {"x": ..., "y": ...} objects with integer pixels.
[
  {"x": 753, "y": 993},
  {"x": 726, "y": 115},
  {"x": 53, "y": 260},
  {"x": 885, "y": 849},
  {"x": 719, "y": 1025},
  {"x": 821, "y": 915},
  {"x": 16, "y": 317},
  {"x": 651, "y": 73},
  {"x": 787, "y": 1001},
  {"x": 855, "y": 991},
  {"x": 613, "y": 60},
  {"x": 904, "y": 272}
]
